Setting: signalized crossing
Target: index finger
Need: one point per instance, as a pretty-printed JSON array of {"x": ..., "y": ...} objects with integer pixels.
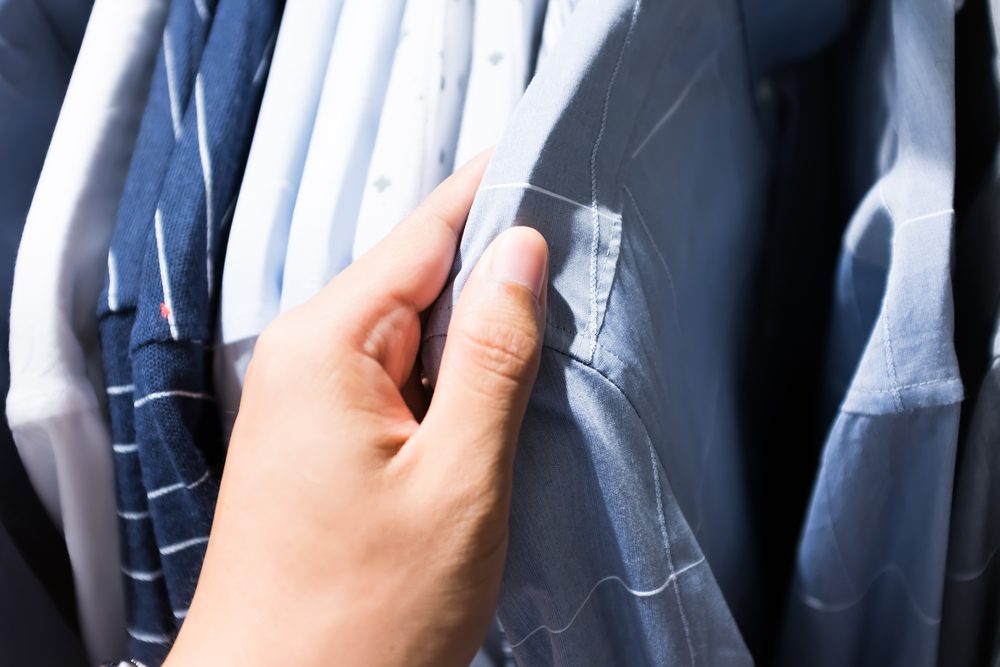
[{"x": 411, "y": 264}]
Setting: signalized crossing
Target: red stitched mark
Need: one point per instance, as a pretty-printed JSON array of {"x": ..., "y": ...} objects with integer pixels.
[{"x": 164, "y": 311}]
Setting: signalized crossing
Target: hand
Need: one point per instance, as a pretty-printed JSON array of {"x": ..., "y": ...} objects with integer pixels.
[{"x": 356, "y": 524}]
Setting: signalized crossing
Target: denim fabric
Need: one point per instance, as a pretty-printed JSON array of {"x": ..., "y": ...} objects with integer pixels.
[
  {"x": 39, "y": 41},
  {"x": 176, "y": 424},
  {"x": 151, "y": 624},
  {"x": 636, "y": 152},
  {"x": 970, "y": 624},
  {"x": 871, "y": 560}
]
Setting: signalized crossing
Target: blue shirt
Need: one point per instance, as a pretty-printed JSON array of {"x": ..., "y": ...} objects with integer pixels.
[
  {"x": 177, "y": 432},
  {"x": 636, "y": 152},
  {"x": 870, "y": 566},
  {"x": 149, "y": 615}
]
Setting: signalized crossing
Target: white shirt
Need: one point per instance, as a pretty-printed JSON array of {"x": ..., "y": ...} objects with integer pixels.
[
  {"x": 56, "y": 388},
  {"x": 503, "y": 40},
  {"x": 326, "y": 210},
  {"x": 418, "y": 131},
  {"x": 255, "y": 253}
]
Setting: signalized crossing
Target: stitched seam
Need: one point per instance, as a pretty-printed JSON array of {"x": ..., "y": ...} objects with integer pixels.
[
  {"x": 906, "y": 386},
  {"x": 886, "y": 334},
  {"x": 666, "y": 546},
  {"x": 595, "y": 241}
]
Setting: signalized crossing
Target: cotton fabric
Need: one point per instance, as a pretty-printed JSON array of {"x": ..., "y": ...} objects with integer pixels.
[
  {"x": 329, "y": 200},
  {"x": 636, "y": 152},
  {"x": 150, "y": 621},
  {"x": 178, "y": 443},
  {"x": 504, "y": 43},
  {"x": 871, "y": 561},
  {"x": 255, "y": 252},
  {"x": 557, "y": 13},
  {"x": 418, "y": 130}
]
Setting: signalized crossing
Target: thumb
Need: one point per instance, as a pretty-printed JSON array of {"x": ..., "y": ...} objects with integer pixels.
[{"x": 490, "y": 359}]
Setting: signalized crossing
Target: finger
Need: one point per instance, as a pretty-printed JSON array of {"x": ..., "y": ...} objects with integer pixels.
[
  {"x": 412, "y": 263},
  {"x": 491, "y": 357}
]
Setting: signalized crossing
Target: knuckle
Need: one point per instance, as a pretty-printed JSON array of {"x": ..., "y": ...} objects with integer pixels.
[{"x": 505, "y": 349}]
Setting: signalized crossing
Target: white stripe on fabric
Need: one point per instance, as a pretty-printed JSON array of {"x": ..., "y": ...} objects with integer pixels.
[
  {"x": 121, "y": 389},
  {"x": 125, "y": 449},
  {"x": 142, "y": 576},
  {"x": 133, "y": 516},
  {"x": 680, "y": 98},
  {"x": 180, "y": 613},
  {"x": 202, "y": 9},
  {"x": 554, "y": 195},
  {"x": 181, "y": 546},
  {"x": 164, "y": 275},
  {"x": 166, "y": 394},
  {"x": 164, "y": 490},
  {"x": 640, "y": 594},
  {"x": 112, "y": 282},
  {"x": 924, "y": 217},
  {"x": 175, "y": 103},
  {"x": 206, "y": 168},
  {"x": 149, "y": 637}
]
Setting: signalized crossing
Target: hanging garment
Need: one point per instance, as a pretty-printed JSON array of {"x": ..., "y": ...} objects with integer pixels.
[
  {"x": 39, "y": 42},
  {"x": 32, "y": 631},
  {"x": 151, "y": 623},
  {"x": 504, "y": 42},
  {"x": 970, "y": 624},
  {"x": 557, "y": 13},
  {"x": 326, "y": 210},
  {"x": 418, "y": 130},
  {"x": 636, "y": 153},
  {"x": 871, "y": 561},
  {"x": 55, "y": 358},
  {"x": 255, "y": 251},
  {"x": 178, "y": 444}
]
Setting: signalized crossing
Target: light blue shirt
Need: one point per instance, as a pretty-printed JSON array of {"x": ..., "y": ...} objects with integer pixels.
[
  {"x": 636, "y": 151},
  {"x": 871, "y": 561}
]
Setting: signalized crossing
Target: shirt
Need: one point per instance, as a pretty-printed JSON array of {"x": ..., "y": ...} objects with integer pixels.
[
  {"x": 55, "y": 359},
  {"x": 871, "y": 560},
  {"x": 557, "y": 13},
  {"x": 636, "y": 152},
  {"x": 149, "y": 618},
  {"x": 255, "y": 252},
  {"x": 970, "y": 617},
  {"x": 326, "y": 210},
  {"x": 504, "y": 43},
  {"x": 415, "y": 147},
  {"x": 36, "y": 58},
  {"x": 177, "y": 439}
]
